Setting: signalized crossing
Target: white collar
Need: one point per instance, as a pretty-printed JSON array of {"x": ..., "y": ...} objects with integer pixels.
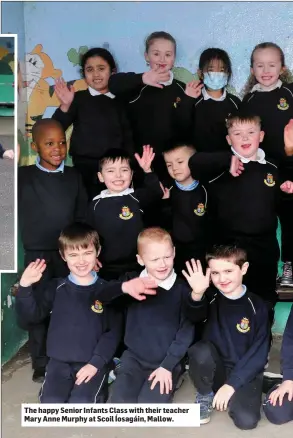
[
  {"x": 165, "y": 284},
  {"x": 206, "y": 95},
  {"x": 260, "y": 156},
  {"x": 107, "y": 194},
  {"x": 169, "y": 82},
  {"x": 94, "y": 92},
  {"x": 258, "y": 87}
]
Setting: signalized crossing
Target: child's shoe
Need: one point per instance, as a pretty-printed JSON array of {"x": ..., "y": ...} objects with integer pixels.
[
  {"x": 287, "y": 278},
  {"x": 206, "y": 406},
  {"x": 39, "y": 375}
]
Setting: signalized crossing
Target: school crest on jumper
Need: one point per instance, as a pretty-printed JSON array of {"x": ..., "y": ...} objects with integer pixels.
[
  {"x": 283, "y": 105},
  {"x": 243, "y": 327},
  {"x": 200, "y": 210},
  {"x": 176, "y": 101},
  {"x": 97, "y": 307},
  {"x": 269, "y": 181},
  {"x": 125, "y": 213}
]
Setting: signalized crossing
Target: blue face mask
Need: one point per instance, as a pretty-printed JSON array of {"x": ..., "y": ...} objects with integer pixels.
[{"x": 215, "y": 80}]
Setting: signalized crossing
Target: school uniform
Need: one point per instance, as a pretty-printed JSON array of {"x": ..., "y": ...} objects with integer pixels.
[
  {"x": 48, "y": 201},
  {"x": 233, "y": 350},
  {"x": 152, "y": 113},
  {"x": 204, "y": 120},
  {"x": 99, "y": 124},
  {"x": 282, "y": 414},
  {"x": 157, "y": 334},
  {"x": 275, "y": 109},
  {"x": 185, "y": 214},
  {"x": 118, "y": 219},
  {"x": 243, "y": 210},
  {"x": 81, "y": 332}
]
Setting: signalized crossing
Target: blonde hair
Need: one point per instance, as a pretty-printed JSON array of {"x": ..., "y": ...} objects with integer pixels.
[
  {"x": 152, "y": 234},
  {"x": 286, "y": 76}
]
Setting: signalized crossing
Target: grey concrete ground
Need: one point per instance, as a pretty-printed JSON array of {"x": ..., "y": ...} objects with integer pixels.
[
  {"x": 17, "y": 388},
  {"x": 6, "y": 198}
]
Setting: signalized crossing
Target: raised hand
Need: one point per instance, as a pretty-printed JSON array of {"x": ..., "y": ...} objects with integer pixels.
[
  {"x": 287, "y": 187},
  {"x": 64, "y": 94},
  {"x": 288, "y": 138},
  {"x": 193, "y": 89},
  {"x": 33, "y": 273},
  {"x": 196, "y": 279},
  {"x": 145, "y": 161},
  {"x": 139, "y": 287},
  {"x": 153, "y": 77},
  {"x": 236, "y": 166}
]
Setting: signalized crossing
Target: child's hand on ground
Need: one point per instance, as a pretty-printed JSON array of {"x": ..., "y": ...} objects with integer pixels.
[
  {"x": 286, "y": 387},
  {"x": 139, "y": 287},
  {"x": 64, "y": 94},
  {"x": 196, "y": 279},
  {"x": 288, "y": 138},
  {"x": 193, "y": 89},
  {"x": 236, "y": 167},
  {"x": 164, "y": 378},
  {"x": 153, "y": 77},
  {"x": 98, "y": 265},
  {"x": 33, "y": 273},
  {"x": 166, "y": 192},
  {"x": 85, "y": 374},
  {"x": 222, "y": 397},
  {"x": 287, "y": 187},
  {"x": 9, "y": 154},
  {"x": 145, "y": 161}
]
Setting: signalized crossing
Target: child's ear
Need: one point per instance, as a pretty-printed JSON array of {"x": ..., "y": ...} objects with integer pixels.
[
  {"x": 34, "y": 147},
  {"x": 244, "y": 268},
  {"x": 99, "y": 251},
  {"x": 100, "y": 176},
  {"x": 251, "y": 71},
  {"x": 139, "y": 260},
  {"x": 261, "y": 136},
  {"x": 146, "y": 57},
  {"x": 229, "y": 140},
  {"x": 200, "y": 74}
]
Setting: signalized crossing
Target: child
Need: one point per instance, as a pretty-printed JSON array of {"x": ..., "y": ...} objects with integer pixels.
[
  {"x": 157, "y": 334},
  {"x": 278, "y": 405},
  {"x": 116, "y": 213},
  {"x": 6, "y": 153},
  {"x": 50, "y": 196},
  {"x": 82, "y": 336},
  {"x": 186, "y": 208},
  {"x": 152, "y": 98},
  {"x": 269, "y": 95},
  {"x": 244, "y": 208},
  {"x": 99, "y": 120},
  {"x": 226, "y": 366},
  {"x": 207, "y": 103}
]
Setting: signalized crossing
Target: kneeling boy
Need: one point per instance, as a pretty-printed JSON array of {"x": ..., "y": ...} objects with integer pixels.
[
  {"x": 227, "y": 365},
  {"x": 83, "y": 336},
  {"x": 157, "y": 334}
]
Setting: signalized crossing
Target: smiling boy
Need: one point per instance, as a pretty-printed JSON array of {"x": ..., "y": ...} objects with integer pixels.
[{"x": 226, "y": 366}]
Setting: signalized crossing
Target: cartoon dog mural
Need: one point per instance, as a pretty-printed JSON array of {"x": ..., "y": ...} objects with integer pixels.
[{"x": 40, "y": 94}]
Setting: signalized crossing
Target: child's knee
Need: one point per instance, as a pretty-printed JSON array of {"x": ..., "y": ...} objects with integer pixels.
[{"x": 245, "y": 420}]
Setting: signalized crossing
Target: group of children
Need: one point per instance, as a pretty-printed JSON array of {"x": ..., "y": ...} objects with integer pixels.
[{"x": 170, "y": 178}]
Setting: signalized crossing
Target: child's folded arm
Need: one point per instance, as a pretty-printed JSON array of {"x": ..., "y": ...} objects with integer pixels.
[
  {"x": 205, "y": 166},
  {"x": 28, "y": 309},
  {"x": 254, "y": 360},
  {"x": 287, "y": 349},
  {"x": 126, "y": 85},
  {"x": 109, "y": 341},
  {"x": 151, "y": 190}
]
